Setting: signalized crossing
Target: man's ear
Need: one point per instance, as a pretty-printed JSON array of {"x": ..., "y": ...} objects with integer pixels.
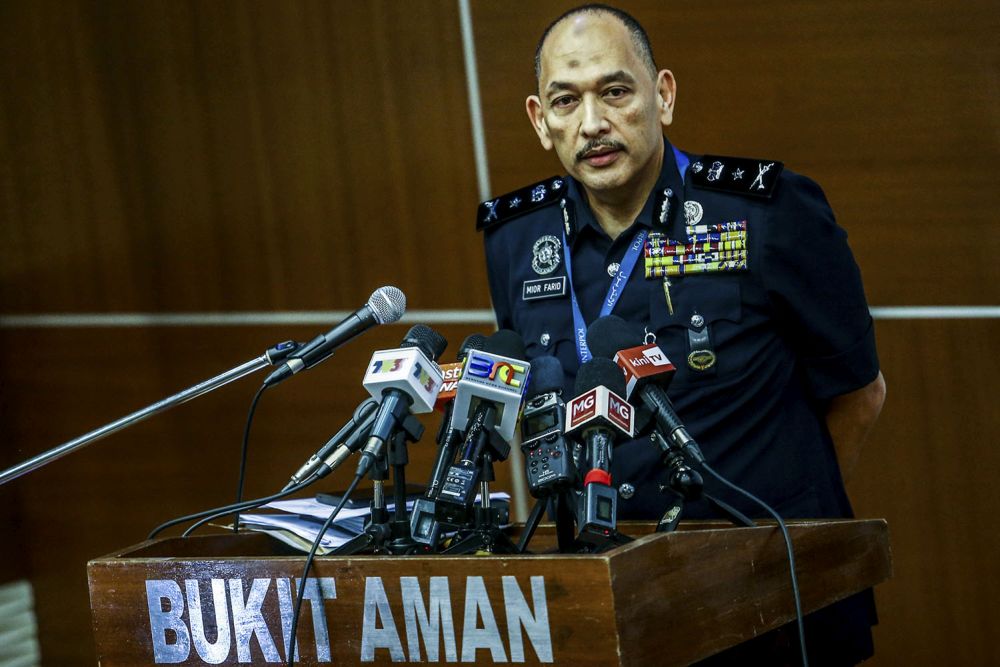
[
  {"x": 533, "y": 106},
  {"x": 667, "y": 87}
]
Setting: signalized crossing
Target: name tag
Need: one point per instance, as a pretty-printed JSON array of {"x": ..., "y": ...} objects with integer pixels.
[{"x": 543, "y": 288}]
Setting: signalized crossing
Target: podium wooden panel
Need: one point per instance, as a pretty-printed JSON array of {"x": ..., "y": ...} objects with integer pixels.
[{"x": 713, "y": 585}]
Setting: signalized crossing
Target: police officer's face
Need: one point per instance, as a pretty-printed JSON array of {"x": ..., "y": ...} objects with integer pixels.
[{"x": 600, "y": 107}]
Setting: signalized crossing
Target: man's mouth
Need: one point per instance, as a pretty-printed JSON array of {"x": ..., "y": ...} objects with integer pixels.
[{"x": 601, "y": 155}]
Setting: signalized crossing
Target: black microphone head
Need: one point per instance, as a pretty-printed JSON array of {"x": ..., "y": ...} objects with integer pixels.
[
  {"x": 472, "y": 342},
  {"x": 506, "y": 343},
  {"x": 599, "y": 371},
  {"x": 611, "y": 333},
  {"x": 430, "y": 342},
  {"x": 546, "y": 375},
  {"x": 387, "y": 304}
]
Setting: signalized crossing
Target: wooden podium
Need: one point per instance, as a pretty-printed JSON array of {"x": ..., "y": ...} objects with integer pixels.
[{"x": 228, "y": 599}]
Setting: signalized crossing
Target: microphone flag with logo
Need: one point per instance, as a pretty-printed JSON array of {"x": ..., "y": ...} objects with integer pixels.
[
  {"x": 405, "y": 380},
  {"x": 647, "y": 372},
  {"x": 497, "y": 375}
]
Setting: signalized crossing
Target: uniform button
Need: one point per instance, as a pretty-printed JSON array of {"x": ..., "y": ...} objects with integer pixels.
[
  {"x": 544, "y": 340},
  {"x": 626, "y": 490},
  {"x": 697, "y": 321},
  {"x": 613, "y": 268}
]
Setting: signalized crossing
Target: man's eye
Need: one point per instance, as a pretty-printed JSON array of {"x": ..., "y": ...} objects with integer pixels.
[
  {"x": 616, "y": 92},
  {"x": 562, "y": 102}
]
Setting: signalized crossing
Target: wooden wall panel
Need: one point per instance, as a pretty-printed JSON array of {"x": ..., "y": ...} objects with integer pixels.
[
  {"x": 930, "y": 469},
  {"x": 242, "y": 156},
  {"x": 889, "y": 105}
]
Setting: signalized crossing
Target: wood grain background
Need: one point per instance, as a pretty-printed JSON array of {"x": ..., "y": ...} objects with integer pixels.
[{"x": 233, "y": 156}]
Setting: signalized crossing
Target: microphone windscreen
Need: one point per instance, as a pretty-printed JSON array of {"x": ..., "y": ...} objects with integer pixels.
[
  {"x": 472, "y": 342},
  {"x": 430, "y": 342},
  {"x": 597, "y": 372},
  {"x": 506, "y": 343},
  {"x": 546, "y": 375},
  {"x": 611, "y": 333},
  {"x": 387, "y": 304}
]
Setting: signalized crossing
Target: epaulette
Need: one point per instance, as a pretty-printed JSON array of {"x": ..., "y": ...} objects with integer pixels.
[
  {"x": 527, "y": 199},
  {"x": 738, "y": 175}
]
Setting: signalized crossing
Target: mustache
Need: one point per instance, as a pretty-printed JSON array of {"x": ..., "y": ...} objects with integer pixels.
[{"x": 594, "y": 144}]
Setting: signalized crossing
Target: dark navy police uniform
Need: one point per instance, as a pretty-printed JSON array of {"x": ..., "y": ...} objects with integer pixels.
[{"x": 759, "y": 350}]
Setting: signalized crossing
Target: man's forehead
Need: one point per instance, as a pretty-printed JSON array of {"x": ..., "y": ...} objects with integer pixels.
[{"x": 588, "y": 40}]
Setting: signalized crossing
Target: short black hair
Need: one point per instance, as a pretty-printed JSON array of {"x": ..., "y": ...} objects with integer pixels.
[{"x": 639, "y": 37}]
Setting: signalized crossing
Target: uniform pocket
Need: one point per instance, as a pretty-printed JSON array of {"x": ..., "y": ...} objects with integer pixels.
[
  {"x": 547, "y": 329},
  {"x": 698, "y": 336}
]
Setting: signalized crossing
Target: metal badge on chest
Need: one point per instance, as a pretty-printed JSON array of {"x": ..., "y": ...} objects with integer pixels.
[{"x": 546, "y": 255}]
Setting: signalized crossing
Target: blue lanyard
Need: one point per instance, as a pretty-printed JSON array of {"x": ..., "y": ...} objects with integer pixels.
[
  {"x": 617, "y": 285},
  {"x": 614, "y": 291}
]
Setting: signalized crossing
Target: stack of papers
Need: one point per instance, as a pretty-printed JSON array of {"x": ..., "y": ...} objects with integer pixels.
[{"x": 297, "y": 522}]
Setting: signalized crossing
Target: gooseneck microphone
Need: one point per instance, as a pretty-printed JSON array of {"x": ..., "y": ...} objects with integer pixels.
[
  {"x": 405, "y": 380},
  {"x": 385, "y": 305}
]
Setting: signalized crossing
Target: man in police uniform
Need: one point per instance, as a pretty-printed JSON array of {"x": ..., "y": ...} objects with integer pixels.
[{"x": 736, "y": 265}]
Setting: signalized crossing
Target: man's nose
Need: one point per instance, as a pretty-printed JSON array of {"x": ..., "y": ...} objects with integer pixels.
[{"x": 594, "y": 122}]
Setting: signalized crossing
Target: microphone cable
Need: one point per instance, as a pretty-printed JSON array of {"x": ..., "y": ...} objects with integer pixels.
[
  {"x": 309, "y": 560},
  {"x": 243, "y": 453},
  {"x": 227, "y": 509},
  {"x": 788, "y": 547}
]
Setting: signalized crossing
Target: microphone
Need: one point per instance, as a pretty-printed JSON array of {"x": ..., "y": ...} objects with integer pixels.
[
  {"x": 337, "y": 448},
  {"x": 487, "y": 406},
  {"x": 647, "y": 373},
  {"x": 424, "y": 527},
  {"x": 599, "y": 414},
  {"x": 405, "y": 380},
  {"x": 495, "y": 376},
  {"x": 448, "y": 436},
  {"x": 385, "y": 305},
  {"x": 548, "y": 461}
]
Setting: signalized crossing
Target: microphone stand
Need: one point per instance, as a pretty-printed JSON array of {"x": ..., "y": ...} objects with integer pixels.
[
  {"x": 487, "y": 535},
  {"x": 382, "y": 534},
  {"x": 563, "y": 504},
  {"x": 685, "y": 484},
  {"x": 273, "y": 356}
]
